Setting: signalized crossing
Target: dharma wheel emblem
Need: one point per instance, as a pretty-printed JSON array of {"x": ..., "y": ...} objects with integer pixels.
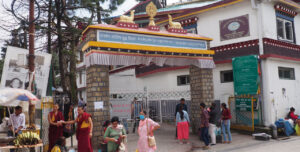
[{"x": 151, "y": 11}]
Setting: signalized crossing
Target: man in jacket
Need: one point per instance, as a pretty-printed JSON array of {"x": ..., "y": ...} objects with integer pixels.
[
  {"x": 204, "y": 123},
  {"x": 213, "y": 119}
]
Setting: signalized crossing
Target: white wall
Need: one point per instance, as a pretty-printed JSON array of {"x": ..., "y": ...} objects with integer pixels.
[
  {"x": 222, "y": 90},
  {"x": 83, "y": 81},
  {"x": 83, "y": 93},
  {"x": 124, "y": 80},
  {"x": 208, "y": 23},
  {"x": 276, "y": 104},
  {"x": 269, "y": 20},
  {"x": 297, "y": 28},
  {"x": 162, "y": 81}
]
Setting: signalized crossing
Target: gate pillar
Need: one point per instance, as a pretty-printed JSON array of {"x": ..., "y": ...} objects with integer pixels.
[
  {"x": 98, "y": 91},
  {"x": 201, "y": 82}
]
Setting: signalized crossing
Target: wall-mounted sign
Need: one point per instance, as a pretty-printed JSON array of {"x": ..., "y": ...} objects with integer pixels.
[
  {"x": 98, "y": 105},
  {"x": 234, "y": 28},
  {"x": 150, "y": 40},
  {"x": 245, "y": 75},
  {"x": 244, "y": 104},
  {"x": 121, "y": 108}
]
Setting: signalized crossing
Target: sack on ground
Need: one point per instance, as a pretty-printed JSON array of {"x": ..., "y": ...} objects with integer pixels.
[{"x": 297, "y": 128}]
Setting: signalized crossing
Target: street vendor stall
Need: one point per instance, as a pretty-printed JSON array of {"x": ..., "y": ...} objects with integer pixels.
[{"x": 29, "y": 138}]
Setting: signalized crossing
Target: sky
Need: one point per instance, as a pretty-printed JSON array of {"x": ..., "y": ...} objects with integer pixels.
[{"x": 7, "y": 20}]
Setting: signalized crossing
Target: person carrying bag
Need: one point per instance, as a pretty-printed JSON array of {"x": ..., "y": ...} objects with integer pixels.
[
  {"x": 151, "y": 138},
  {"x": 146, "y": 142}
]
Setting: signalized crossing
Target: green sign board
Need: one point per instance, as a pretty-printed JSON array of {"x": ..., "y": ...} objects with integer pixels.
[
  {"x": 245, "y": 75},
  {"x": 244, "y": 104}
]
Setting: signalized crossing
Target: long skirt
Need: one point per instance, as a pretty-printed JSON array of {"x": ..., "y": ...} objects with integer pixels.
[{"x": 183, "y": 130}]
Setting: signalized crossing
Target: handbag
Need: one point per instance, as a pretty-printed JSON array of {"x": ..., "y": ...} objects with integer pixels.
[
  {"x": 122, "y": 146},
  {"x": 151, "y": 139}
]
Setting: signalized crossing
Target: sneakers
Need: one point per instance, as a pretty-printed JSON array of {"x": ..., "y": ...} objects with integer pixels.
[{"x": 205, "y": 148}]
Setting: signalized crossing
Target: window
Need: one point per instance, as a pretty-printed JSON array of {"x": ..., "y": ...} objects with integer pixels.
[
  {"x": 114, "y": 96},
  {"x": 80, "y": 94},
  {"x": 80, "y": 77},
  {"x": 192, "y": 30},
  {"x": 183, "y": 80},
  {"x": 286, "y": 73},
  {"x": 81, "y": 56},
  {"x": 285, "y": 30},
  {"x": 226, "y": 76}
]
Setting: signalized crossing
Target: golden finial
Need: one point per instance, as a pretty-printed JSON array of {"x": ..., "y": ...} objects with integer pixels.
[{"x": 151, "y": 11}]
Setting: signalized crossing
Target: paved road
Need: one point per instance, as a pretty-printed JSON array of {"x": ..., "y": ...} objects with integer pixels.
[
  {"x": 165, "y": 139},
  {"x": 241, "y": 143}
]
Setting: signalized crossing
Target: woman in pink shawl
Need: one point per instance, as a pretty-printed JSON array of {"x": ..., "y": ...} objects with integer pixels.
[{"x": 143, "y": 133}]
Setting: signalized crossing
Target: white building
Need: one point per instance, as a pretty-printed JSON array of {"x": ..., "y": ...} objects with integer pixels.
[{"x": 267, "y": 28}]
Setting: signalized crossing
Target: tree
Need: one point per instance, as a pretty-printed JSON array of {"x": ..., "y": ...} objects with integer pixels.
[
  {"x": 59, "y": 23},
  {"x": 68, "y": 34}
]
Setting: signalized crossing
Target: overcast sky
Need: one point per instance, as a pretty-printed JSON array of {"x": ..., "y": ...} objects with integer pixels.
[{"x": 6, "y": 19}]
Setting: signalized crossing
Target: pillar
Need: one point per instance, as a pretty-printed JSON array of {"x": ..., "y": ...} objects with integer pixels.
[
  {"x": 201, "y": 82},
  {"x": 98, "y": 91}
]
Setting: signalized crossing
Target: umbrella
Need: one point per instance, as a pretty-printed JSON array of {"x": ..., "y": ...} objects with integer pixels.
[{"x": 13, "y": 96}]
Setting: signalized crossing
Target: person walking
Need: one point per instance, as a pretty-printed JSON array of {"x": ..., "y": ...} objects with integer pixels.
[
  {"x": 213, "y": 114},
  {"x": 182, "y": 103},
  {"x": 136, "y": 108},
  {"x": 204, "y": 125},
  {"x": 182, "y": 123},
  {"x": 146, "y": 128},
  {"x": 226, "y": 116},
  {"x": 115, "y": 134},
  {"x": 55, "y": 119},
  {"x": 84, "y": 131}
]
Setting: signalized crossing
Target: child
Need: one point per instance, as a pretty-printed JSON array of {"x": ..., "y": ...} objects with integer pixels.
[{"x": 60, "y": 145}]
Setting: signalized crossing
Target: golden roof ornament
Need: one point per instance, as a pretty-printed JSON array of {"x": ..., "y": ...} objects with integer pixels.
[
  {"x": 127, "y": 19},
  {"x": 175, "y": 25},
  {"x": 151, "y": 10}
]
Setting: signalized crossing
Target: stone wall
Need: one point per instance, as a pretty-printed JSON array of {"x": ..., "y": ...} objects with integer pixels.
[
  {"x": 201, "y": 82},
  {"x": 98, "y": 90}
]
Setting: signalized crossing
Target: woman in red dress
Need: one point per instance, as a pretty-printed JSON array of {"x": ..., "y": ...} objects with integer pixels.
[
  {"x": 55, "y": 119},
  {"x": 84, "y": 130}
]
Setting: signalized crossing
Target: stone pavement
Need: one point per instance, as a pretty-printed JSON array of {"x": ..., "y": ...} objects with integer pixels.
[
  {"x": 241, "y": 143},
  {"x": 167, "y": 143}
]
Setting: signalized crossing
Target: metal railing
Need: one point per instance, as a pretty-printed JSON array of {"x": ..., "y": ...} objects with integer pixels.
[{"x": 245, "y": 111}]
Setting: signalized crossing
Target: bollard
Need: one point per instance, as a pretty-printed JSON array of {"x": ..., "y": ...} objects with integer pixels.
[{"x": 274, "y": 131}]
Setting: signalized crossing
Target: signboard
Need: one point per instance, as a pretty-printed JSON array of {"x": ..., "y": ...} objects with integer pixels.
[
  {"x": 151, "y": 40},
  {"x": 98, "y": 105},
  {"x": 245, "y": 75},
  {"x": 234, "y": 28},
  {"x": 15, "y": 71},
  {"x": 244, "y": 104},
  {"x": 121, "y": 108}
]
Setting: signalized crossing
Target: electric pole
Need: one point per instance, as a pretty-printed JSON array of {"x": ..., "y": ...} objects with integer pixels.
[{"x": 31, "y": 60}]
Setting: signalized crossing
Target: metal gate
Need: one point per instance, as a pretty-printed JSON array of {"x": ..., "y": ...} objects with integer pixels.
[
  {"x": 245, "y": 111},
  {"x": 160, "y": 105}
]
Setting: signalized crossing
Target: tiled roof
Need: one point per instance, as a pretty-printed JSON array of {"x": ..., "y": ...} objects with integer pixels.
[{"x": 183, "y": 6}]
